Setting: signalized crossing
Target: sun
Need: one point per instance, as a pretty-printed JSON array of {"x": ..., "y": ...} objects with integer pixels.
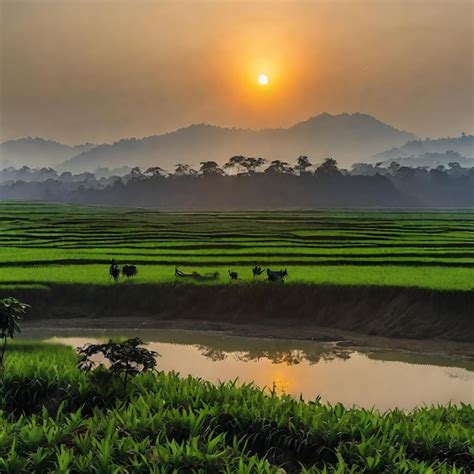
[{"x": 263, "y": 79}]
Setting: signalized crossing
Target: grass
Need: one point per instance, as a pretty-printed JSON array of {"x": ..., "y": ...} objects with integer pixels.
[
  {"x": 55, "y": 418},
  {"x": 44, "y": 244},
  {"x": 386, "y": 275}
]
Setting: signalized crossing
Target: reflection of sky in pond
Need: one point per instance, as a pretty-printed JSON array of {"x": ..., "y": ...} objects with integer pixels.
[{"x": 306, "y": 368}]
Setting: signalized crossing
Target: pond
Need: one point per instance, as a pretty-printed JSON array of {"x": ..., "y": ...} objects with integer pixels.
[{"x": 380, "y": 379}]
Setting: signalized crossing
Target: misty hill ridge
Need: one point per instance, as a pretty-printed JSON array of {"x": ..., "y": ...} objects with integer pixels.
[
  {"x": 463, "y": 145},
  {"x": 38, "y": 152},
  {"x": 432, "y": 160},
  {"x": 347, "y": 137}
]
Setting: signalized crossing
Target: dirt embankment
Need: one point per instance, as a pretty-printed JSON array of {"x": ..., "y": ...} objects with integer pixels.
[{"x": 382, "y": 311}]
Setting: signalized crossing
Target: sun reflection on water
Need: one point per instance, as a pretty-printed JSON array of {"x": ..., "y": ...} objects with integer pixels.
[{"x": 311, "y": 369}]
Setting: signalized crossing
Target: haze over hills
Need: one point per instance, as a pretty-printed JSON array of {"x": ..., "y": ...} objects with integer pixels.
[
  {"x": 349, "y": 139},
  {"x": 431, "y": 160},
  {"x": 346, "y": 137},
  {"x": 463, "y": 145},
  {"x": 38, "y": 152}
]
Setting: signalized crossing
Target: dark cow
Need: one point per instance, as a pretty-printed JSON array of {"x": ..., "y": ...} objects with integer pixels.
[
  {"x": 129, "y": 270},
  {"x": 233, "y": 275},
  {"x": 276, "y": 276}
]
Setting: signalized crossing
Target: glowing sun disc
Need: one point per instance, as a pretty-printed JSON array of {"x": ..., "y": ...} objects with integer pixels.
[{"x": 263, "y": 79}]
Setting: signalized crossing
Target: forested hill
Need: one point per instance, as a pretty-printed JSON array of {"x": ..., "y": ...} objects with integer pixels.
[
  {"x": 350, "y": 137},
  {"x": 38, "y": 152},
  {"x": 279, "y": 186}
]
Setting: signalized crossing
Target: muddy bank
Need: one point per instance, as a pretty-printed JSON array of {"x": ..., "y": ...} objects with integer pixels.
[
  {"x": 451, "y": 351},
  {"x": 379, "y": 311}
]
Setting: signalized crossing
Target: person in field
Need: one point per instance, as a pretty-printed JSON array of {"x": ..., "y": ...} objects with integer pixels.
[
  {"x": 114, "y": 270},
  {"x": 257, "y": 270}
]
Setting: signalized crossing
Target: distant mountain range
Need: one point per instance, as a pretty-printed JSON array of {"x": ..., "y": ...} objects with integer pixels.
[
  {"x": 346, "y": 137},
  {"x": 432, "y": 160},
  {"x": 38, "y": 152},
  {"x": 463, "y": 146}
]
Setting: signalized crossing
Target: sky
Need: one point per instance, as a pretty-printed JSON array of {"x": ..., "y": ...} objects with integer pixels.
[{"x": 99, "y": 70}]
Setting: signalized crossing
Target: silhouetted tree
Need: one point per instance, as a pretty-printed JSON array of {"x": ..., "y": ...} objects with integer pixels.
[
  {"x": 135, "y": 174},
  {"x": 235, "y": 162},
  {"x": 210, "y": 168},
  {"x": 328, "y": 168},
  {"x": 66, "y": 176},
  {"x": 184, "y": 170},
  {"x": 155, "y": 171},
  {"x": 405, "y": 172},
  {"x": 251, "y": 164},
  {"x": 365, "y": 185},
  {"x": 244, "y": 165},
  {"x": 303, "y": 164},
  {"x": 279, "y": 167}
]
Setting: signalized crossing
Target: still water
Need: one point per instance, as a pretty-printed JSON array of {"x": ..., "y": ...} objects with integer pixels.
[{"x": 381, "y": 379}]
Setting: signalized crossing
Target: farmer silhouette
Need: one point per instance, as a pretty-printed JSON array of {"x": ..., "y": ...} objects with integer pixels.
[{"x": 114, "y": 269}]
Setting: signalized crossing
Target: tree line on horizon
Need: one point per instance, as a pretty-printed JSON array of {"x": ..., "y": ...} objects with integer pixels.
[{"x": 245, "y": 182}]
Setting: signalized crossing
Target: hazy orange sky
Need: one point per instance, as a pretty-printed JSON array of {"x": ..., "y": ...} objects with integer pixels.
[{"x": 100, "y": 70}]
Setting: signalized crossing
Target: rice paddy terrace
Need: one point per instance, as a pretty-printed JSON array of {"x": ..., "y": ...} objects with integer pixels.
[
  {"x": 381, "y": 263},
  {"x": 49, "y": 243}
]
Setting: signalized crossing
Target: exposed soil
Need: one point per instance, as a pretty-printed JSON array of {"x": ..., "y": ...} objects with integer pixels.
[
  {"x": 385, "y": 317},
  {"x": 343, "y": 339}
]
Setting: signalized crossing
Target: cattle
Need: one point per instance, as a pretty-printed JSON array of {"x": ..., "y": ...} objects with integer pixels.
[
  {"x": 129, "y": 270},
  {"x": 233, "y": 275},
  {"x": 276, "y": 275}
]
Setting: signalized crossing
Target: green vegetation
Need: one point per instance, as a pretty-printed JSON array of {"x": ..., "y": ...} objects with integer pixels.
[
  {"x": 11, "y": 313},
  {"x": 56, "y": 418},
  {"x": 125, "y": 359},
  {"x": 43, "y": 244}
]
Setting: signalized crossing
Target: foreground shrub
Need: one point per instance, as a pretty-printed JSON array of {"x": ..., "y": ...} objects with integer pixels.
[
  {"x": 126, "y": 358},
  {"x": 69, "y": 423},
  {"x": 11, "y": 313}
]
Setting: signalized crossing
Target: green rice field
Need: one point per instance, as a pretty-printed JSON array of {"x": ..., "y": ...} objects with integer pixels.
[{"x": 43, "y": 244}]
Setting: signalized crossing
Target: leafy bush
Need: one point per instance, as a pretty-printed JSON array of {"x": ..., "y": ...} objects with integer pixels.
[
  {"x": 126, "y": 358},
  {"x": 71, "y": 424},
  {"x": 11, "y": 312}
]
